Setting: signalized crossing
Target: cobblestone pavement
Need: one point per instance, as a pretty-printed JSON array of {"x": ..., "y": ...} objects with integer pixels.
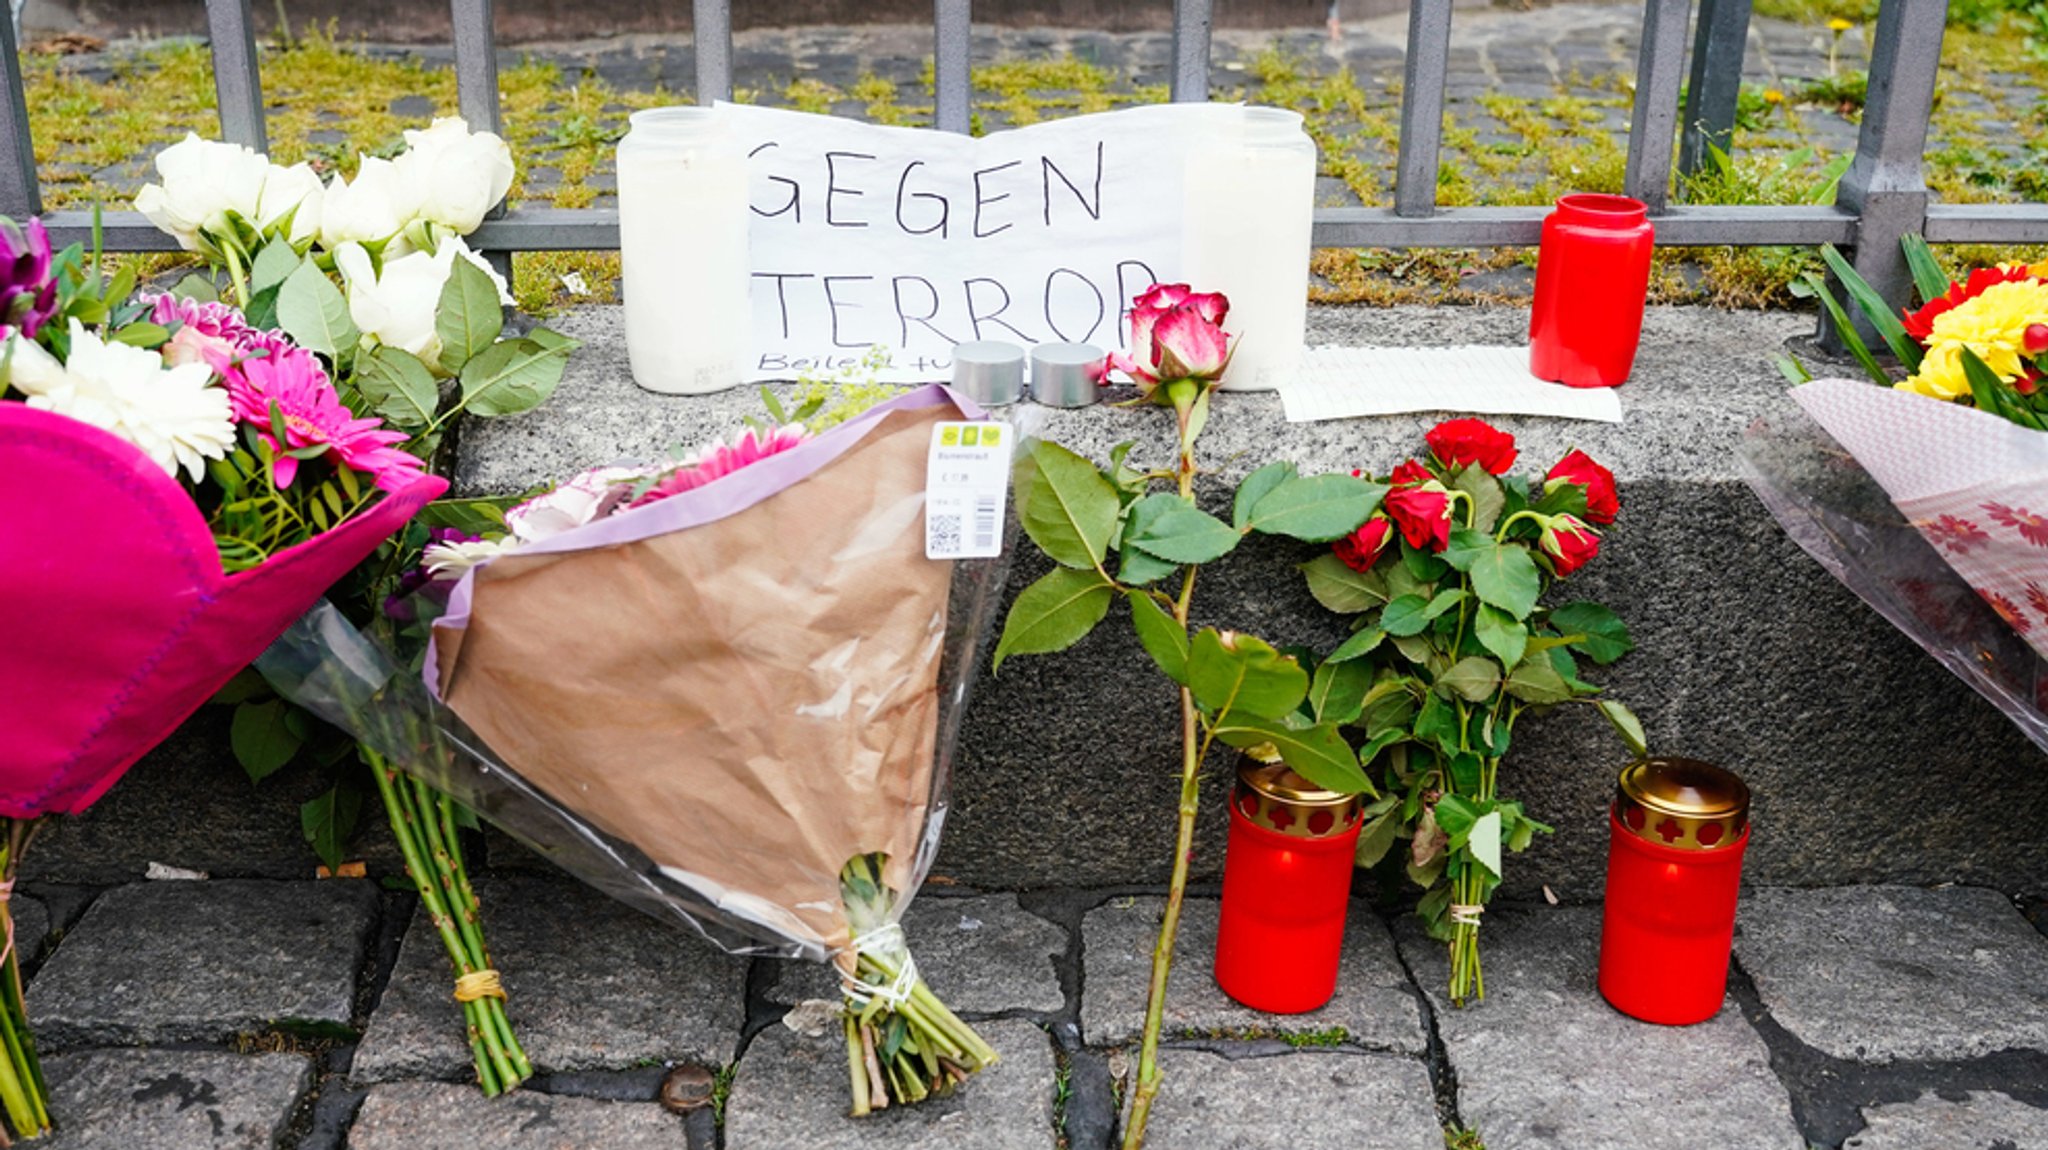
[
  {"x": 185, "y": 1015},
  {"x": 1537, "y": 98}
]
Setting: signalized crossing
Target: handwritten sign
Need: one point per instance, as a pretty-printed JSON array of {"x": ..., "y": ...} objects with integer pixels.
[{"x": 913, "y": 240}]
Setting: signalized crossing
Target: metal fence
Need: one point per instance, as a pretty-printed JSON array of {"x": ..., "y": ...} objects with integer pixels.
[{"x": 1881, "y": 197}]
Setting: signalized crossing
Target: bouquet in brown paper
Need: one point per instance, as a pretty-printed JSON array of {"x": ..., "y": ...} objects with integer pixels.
[{"x": 725, "y": 691}]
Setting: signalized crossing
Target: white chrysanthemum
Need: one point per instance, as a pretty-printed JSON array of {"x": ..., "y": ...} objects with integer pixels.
[
  {"x": 173, "y": 414},
  {"x": 453, "y": 560}
]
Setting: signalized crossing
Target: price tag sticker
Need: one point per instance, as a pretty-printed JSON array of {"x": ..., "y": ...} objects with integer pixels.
[{"x": 967, "y": 480}]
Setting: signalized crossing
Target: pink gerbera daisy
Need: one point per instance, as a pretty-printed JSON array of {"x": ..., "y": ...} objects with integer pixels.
[
  {"x": 314, "y": 416},
  {"x": 721, "y": 459}
]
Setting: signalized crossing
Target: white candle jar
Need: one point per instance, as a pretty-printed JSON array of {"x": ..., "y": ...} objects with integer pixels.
[{"x": 683, "y": 251}]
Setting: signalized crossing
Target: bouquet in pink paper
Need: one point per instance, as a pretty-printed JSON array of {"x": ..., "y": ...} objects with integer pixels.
[
  {"x": 177, "y": 486},
  {"x": 1928, "y": 494}
]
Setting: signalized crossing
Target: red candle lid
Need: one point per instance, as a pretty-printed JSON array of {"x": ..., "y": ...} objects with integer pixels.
[
  {"x": 1271, "y": 795},
  {"x": 1682, "y": 803}
]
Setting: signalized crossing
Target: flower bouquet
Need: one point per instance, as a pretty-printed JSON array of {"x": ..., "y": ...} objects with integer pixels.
[
  {"x": 724, "y": 690},
  {"x": 178, "y": 486},
  {"x": 372, "y": 273},
  {"x": 1945, "y": 467},
  {"x": 1453, "y": 643}
]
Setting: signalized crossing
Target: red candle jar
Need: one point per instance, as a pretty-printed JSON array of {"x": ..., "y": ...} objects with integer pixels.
[
  {"x": 1592, "y": 274},
  {"x": 1286, "y": 886},
  {"x": 1676, "y": 834}
]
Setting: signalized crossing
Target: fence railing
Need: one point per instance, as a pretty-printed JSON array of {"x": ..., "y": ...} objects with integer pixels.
[{"x": 1881, "y": 197}]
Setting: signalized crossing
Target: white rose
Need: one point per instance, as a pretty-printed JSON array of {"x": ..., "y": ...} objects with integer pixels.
[
  {"x": 369, "y": 209},
  {"x": 203, "y": 180},
  {"x": 397, "y": 308},
  {"x": 456, "y": 175},
  {"x": 589, "y": 496},
  {"x": 296, "y": 191}
]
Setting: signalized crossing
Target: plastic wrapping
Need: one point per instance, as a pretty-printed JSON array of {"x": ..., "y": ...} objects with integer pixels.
[
  {"x": 704, "y": 707},
  {"x": 1827, "y": 499}
]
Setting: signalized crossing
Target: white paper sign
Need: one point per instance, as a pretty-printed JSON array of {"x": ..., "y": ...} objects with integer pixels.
[
  {"x": 1342, "y": 382},
  {"x": 915, "y": 240}
]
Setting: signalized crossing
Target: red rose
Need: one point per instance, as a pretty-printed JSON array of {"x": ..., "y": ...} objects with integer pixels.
[
  {"x": 1569, "y": 543},
  {"x": 1578, "y": 468},
  {"x": 1360, "y": 549},
  {"x": 1457, "y": 442},
  {"x": 1424, "y": 516},
  {"x": 1409, "y": 474}
]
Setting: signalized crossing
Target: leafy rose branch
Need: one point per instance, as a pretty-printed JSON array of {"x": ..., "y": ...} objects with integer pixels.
[
  {"x": 1234, "y": 688},
  {"x": 1452, "y": 647}
]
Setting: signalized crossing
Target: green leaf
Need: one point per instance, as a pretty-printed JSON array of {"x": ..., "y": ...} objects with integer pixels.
[
  {"x": 1318, "y": 754},
  {"x": 1595, "y": 630},
  {"x": 1536, "y": 681},
  {"x": 1928, "y": 277},
  {"x": 1990, "y": 394},
  {"x": 1437, "y": 723},
  {"x": 1410, "y": 615},
  {"x": 1795, "y": 372},
  {"x": 1247, "y": 677},
  {"x": 469, "y": 317},
  {"x": 471, "y": 516},
  {"x": 1254, "y": 488},
  {"x": 1488, "y": 498},
  {"x": 1341, "y": 589},
  {"x": 1506, "y": 577},
  {"x": 1139, "y": 569},
  {"x": 1626, "y": 725},
  {"x": 1071, "y": 511},
  {"x": 246, "y": 686},
  {"x": 196, "y": 287},
  {"x": 1874, "y": 308},
  {"x": 1316, "y": 509},
  {"x": 1484, "y": 841},
  {"x": 1337, "y": 692},
  {"x": 1466, "y": 548},
  {"x": 1169, "y": 527},
  {"x": 329, "y": 821},
  {"x": 1502, "y": 634},
  {"x": 313, "y": 312},
  {"x": 510, "y": 377},
  {"x": 144, "y": 335},
  {"x": 1360, "y": 644},
  {"x": 399, "y": 388},
  {"x": 1851, "y": 340},
  {"x": 1161, "y": 635},
  {"x": 272, "y": 265},
  {"x": 1474, "y": 678},
  {"x": 265, "y": 736},
  {"x": 1456, "y": 815},
  {"x": 1377, "y": 837},
  {"x": 1053, "y": 614}
]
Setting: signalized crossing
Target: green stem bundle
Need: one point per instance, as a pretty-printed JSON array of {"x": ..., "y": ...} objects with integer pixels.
[
  {"x": 896, "y": 1051},
  {"x": 23, "y": 1097},
  {"x": 423, "y": 820}
]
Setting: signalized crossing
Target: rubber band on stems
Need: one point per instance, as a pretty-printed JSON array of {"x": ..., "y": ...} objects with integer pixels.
[
  {"x": 479, "y": 984},
  {"x": 888, "y": 941},
  {"x": 1466, "y": 914}
]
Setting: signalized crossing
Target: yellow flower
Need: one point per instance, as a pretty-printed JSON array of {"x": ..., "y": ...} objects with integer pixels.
[
  {"x": 1839, "y": 25},
  {"x": 1940, "y": 375},
  {"x": 1994, "y": 325},
  {"x": 1773, "y": 96}
]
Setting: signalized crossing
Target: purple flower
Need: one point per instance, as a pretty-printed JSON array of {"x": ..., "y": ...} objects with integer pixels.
[{"x": 28, "y": 293}]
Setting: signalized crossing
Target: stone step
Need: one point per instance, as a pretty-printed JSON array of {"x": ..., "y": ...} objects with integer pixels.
[{"x": 1868, "y": 762}]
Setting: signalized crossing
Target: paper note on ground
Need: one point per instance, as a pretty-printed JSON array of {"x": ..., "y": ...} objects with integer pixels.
[{"x": 1340, "y": 382}]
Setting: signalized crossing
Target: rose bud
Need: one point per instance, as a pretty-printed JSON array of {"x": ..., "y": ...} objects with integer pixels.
[
  {"x": 1569, "y": 543},
  {"x": 1458, "y": 442},
  {"x": 2035, "y": 338},
  {"x": 1410, "y": 474},
  {"x": 1603, "y": 502},
  {"x": 1360, "y": 549},
  {"x": 1423, "y": 514}
]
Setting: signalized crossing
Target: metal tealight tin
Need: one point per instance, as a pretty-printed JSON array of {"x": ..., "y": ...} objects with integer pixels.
[
  {"x": 1066, "y": 374},
  {"x": 989, "y": 372}
]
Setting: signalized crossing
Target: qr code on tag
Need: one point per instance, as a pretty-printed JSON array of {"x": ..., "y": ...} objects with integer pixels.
[{"x": 945, "y": 535}]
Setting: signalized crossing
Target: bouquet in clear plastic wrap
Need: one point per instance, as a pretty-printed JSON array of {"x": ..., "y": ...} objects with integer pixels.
[
  {"x": 725, "y": 692},
  {"x": 1928, "y": 495}
]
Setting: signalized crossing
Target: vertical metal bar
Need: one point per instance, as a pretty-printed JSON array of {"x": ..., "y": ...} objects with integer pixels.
[
  {"x": 952, "y": 26},
  {"x": 236, "y": 83},
  {"x": 711, "y": 36},
  {"x": 20, "y": 195},
  {"x": 1658, "y": 67},
  {"x": 1885, "y": 185},
  {"x": 1422, "y": 107},
  {"x": 476, "y": 64},
  {"x": 1192, "y": 20},
  {"x": 1714, "y": 83}
]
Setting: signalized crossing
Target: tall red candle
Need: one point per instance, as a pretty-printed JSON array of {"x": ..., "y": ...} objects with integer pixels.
[
  {"x": 1592, "y": 277},
  {"x": 1286, "y": 886},
  {"x": 1676, "y": 834}
]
